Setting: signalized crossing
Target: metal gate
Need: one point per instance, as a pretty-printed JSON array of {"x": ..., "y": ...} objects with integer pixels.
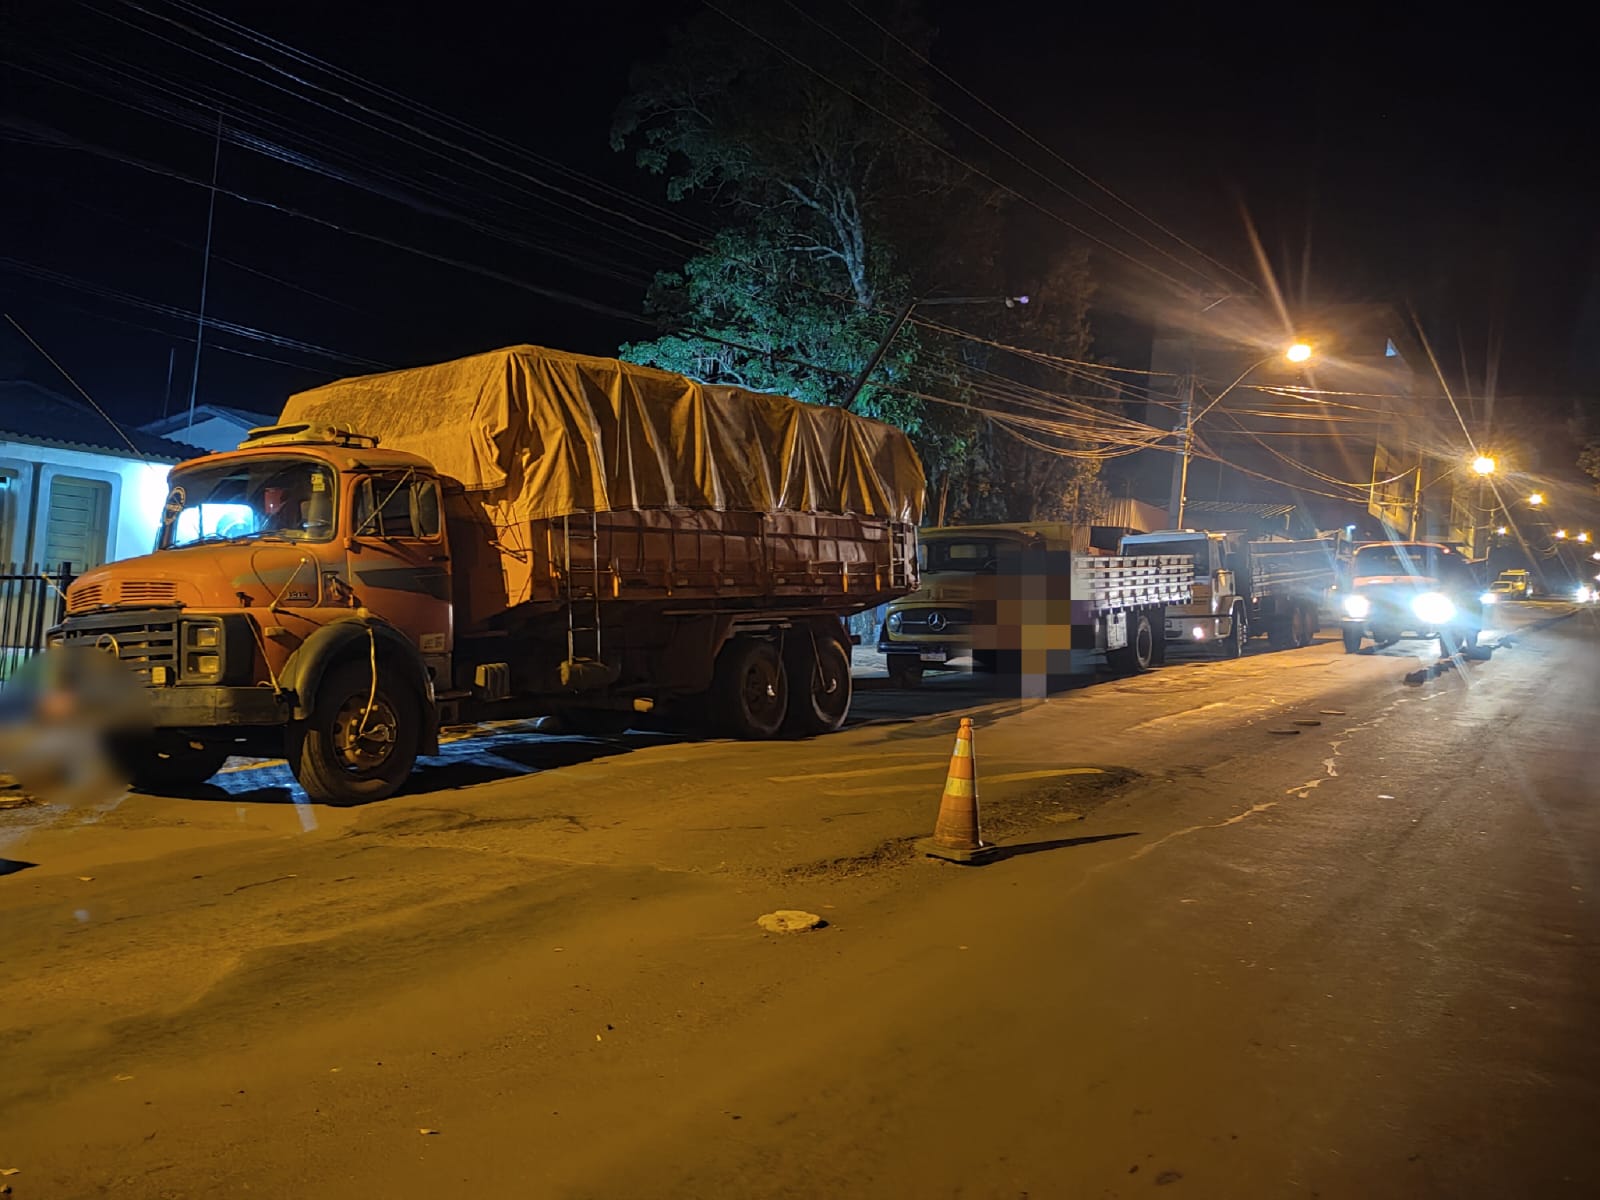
[{"x": 32, "y": 599}]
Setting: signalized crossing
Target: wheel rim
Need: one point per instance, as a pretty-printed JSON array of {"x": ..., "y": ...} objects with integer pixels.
[
  {"x": 830, "y": 690},
  {"x": 363, "y": 748},
  {"x": 1144, "y": 645},
  {"x": 760, "y": 690}
]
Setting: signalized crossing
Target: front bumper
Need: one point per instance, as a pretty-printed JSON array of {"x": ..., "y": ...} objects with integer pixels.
[
  {"x": 210, "y": 707},
  {"x": 924, "y": 650}
]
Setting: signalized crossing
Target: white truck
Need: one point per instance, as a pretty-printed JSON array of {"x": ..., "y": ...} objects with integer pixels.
[{"x": 1245, "y": 587}]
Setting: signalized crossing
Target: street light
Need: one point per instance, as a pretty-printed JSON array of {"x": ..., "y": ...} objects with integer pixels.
[
  {"x": 1501, "y": 530},
  {"x": 1536, "y": 499},
  {"x": 1296, "y": 352},
  {"x": 1583, "y": 537},
  {"x": 1561, "y": 533},
  {"x": 1483, "y": 465}
]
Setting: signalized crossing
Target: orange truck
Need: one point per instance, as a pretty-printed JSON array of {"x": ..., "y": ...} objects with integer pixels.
[{"x": 520, "y": 532}]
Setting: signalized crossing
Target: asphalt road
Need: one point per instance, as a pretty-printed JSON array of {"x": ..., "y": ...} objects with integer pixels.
[{"x": 1305, "y": 924}]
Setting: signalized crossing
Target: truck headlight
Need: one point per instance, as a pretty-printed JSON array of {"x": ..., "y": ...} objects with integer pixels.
[
  {"x": 1357, "y": 607},
  {"x": 1488, "y": 598},
  {"x": 1434, "y": 607},
  {"x": 895, "y": 621}
]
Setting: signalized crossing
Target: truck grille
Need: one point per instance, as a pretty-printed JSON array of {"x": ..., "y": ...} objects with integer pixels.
[
  {"x": 84, "y": 597},
  {"x": 935, "y": 620},
  {"x": 138, "y": 644}
]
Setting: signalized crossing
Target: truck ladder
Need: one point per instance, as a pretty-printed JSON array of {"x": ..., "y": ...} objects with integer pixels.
[
  {"x": 899, "y": 562},
  {"x": 583, "y": 641}
]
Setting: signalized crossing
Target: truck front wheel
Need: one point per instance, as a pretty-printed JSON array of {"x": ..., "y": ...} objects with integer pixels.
[
  {"x": 750, "y": 691},
  {"x": 1233, "y": 644},
  {"x": 360, "y": 741},
  {"x": 905, "y": 670},
  {"x": 819, "y": 680}
]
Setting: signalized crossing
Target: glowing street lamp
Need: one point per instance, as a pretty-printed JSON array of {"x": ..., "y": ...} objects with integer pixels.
[
  {"x": 1299, "y": 352},
  {"x": 1483, "y": 465},
  {"x": 1583, "y": 537},
  {"x": 1501, "y": 530},
  {"x": 1561, "y": 533},
  {"x": 1536, "y": 499}
]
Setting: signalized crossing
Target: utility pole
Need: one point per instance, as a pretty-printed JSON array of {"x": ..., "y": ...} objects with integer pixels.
[
  {"x": 205, "y": 273},
  {"x": 898, "y": 324},
  {"x": 1180, "y": 467}
]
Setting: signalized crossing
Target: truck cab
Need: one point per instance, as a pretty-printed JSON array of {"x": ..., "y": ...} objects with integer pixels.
[
  {"x": 297, "y": 603},
  {"x": 1216, "y": 616},
  {"x": 1423, "y": 588},
  {"x": 932, "y": 627}
]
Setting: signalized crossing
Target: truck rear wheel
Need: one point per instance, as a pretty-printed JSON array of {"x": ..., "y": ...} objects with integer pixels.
[
  {"x": 1307, "y": 621},
  {"x": 344, "y": 754},
  {"x": 160, "y": 764},
  {"x": 1140, "y": 651},
  {"x": 818, "y": 667},
  {"x": 750, "y": 691}
]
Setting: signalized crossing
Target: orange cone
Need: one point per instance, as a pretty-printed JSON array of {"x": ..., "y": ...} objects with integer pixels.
[{"x": 955, "y": 834}]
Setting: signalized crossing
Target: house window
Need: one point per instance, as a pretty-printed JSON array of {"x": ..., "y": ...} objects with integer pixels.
[{"x": 76, "y": 522}]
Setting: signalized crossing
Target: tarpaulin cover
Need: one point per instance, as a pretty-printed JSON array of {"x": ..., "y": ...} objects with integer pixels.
[{"x": 545, "y": 434}]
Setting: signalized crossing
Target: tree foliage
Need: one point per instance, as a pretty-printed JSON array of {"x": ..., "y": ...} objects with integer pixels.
[
  {"x": 834, "y": 209},
  {"x": 1589, "y": 461}
]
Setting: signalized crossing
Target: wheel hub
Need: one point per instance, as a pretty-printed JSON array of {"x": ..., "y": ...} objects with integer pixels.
[{"x": 364, "y": 740}]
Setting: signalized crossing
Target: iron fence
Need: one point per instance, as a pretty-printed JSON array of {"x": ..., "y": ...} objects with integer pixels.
[{"x": 32, "y": 599}]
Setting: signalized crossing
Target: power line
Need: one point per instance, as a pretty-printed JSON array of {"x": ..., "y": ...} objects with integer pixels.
[
  {"x": 945, "y": 75},
  {"x": 859, "y": 53},
  {"x": 957, "y": 159}
]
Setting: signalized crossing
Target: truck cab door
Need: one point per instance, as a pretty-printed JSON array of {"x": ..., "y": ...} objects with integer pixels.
[{"x": 399, "y": 559}]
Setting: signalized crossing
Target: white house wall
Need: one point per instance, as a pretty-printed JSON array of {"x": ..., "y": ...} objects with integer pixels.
[{"x": 138, "y": 490}]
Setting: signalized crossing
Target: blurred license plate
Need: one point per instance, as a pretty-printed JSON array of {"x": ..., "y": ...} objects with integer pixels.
[{"x": 933, "y": 656}]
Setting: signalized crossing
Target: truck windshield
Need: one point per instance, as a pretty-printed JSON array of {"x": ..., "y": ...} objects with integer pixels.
[
  {"x": 973, "y": 555},
  {"x": 1398, "y": 560},
  {"x": 268, "y": 498}
]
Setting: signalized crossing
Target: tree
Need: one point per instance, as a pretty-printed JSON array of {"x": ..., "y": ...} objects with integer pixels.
[
  {"x": 1589, "y": 461},
  {"x": 836, "y": 207},
  {"x": 826, "y": 202}
]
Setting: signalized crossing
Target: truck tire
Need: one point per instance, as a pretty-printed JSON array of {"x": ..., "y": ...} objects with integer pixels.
[
  {"x": 818, "y": 666},
  {"x": 1352, "y": 641},
  {"x": 905, "y": 670},
  {"x": 338, "y": 762},
  {"x": 1233, "y": 644},
  {"x": 162, "y": 765},
  {"x": 1140, "y": 651},
  {"x": 1310, "y": 620},
  {"x": 750, "y": 690}
]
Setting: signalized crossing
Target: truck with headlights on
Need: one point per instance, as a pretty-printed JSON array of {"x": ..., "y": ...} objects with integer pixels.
[{"x": 1425, "y": 589}]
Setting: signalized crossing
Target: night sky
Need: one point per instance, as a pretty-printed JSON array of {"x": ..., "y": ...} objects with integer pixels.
[{"x": 1442, "y": 168}]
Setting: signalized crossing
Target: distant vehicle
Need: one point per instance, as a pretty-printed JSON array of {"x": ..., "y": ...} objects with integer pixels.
[
  {"x": 1099, "y": 603},
  {"x": 1421, "y": 588},
  {"x": 1517, "y": 583},
  {"x": 1502, "y": 589},
  {"x": 1245, "y": 588}
]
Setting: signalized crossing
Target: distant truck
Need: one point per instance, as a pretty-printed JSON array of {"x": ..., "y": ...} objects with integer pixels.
[
  {"x": 1513, "y": 585},
  {"x": 1423, "y": 588},
  {"x": 982, "y": 586},
  {"x": 1245, "y": 587},
  {"x": 518, "y": 532}
]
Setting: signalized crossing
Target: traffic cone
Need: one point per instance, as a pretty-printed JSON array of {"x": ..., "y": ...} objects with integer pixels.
[{"x": 955, "y": 834}]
